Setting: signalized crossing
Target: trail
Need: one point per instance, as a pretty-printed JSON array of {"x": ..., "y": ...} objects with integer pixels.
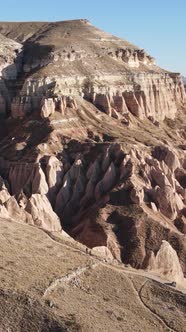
[
  {"x": 60, "y": 282},
  {"x": 153, "y": 312}
]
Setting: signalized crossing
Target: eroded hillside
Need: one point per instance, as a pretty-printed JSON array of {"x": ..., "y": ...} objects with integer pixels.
[{"x": 92, "y": 141}]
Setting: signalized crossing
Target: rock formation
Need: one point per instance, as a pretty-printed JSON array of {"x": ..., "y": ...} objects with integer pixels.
[
  {"x": 42, "y": 213},
  {"x": 92, "y": 139},
  {"x": 103, "y": 253},
  {"x": 167, "y": 263},
  {"x": 10, "y": 58},
  {"x": 121, "y": 77}
]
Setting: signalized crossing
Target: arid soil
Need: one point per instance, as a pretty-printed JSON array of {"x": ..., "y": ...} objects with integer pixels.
[{"x": 76, "y": 291}]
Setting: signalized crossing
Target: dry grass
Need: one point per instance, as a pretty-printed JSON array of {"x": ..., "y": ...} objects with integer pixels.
[{"x": 102, "y": 298}]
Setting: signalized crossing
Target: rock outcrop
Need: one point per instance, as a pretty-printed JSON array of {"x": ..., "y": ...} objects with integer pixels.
[
  {"x": 10, "y": 58},
  {"x": 103, "y": 253},
  {"x": 4, "y": 193},
  {"x": 155, "y": 95},
  {"x": 78, "y": 188},
  {"x": 41, "y": 211},
  {"x": 116, "y": 76},
  {"x": 167, "y": 263}
]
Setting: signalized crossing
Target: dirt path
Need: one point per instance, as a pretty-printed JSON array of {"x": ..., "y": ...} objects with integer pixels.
[
  {"x": 158, "y": 317},
  {"x": 60, "y": 282}
]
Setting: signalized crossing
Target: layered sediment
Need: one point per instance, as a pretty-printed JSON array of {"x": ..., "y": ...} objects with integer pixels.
[{"x": 116, "y": 76}]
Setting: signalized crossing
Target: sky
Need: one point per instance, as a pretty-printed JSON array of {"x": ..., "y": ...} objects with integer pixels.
[{"x": 158, "y": 26}]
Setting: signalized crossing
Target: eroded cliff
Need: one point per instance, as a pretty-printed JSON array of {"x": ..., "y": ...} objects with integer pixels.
[{"x": 73, "y": 58}]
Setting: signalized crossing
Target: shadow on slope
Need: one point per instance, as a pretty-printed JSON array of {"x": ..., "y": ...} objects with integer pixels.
[{"x": 20, "y": 313}]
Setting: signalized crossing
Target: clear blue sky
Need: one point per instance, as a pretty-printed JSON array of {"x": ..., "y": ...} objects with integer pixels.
[{"x": 158, "y": 26}]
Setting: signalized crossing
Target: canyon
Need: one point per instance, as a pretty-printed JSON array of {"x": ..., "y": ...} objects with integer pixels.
[{"x": 92, "y": 154}]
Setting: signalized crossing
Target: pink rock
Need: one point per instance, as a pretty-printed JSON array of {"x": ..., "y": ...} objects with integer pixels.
[
  {"x": 179, "y": 202},
  {"x": 47, "y": 107},
  {"x": 103, "y": 253},
  {"x": 132, "y": 104},
  {"x": 16, "y": 212},
  {"x": 54, "y": 176},
  {"x": 119, "y": 104},
  {"x": 62, "y": 105},
  {"x": 168, "y": 155},
  {"x": 42, "y": 214},
  {"x": 39, "y": 184},
  {"x": 137, "y": 195},
  {"x": 107, "y": 182},
  {"x": 73, "y": 186},
  {"x": 159, "y": 177},
  {"x": 103, "y": 103},
  {"x": 153, "y": 207},
  {"x": 4, "y": 193},
  {"x": 167, "y": 263},
  {"x": 166, "y": 200}
]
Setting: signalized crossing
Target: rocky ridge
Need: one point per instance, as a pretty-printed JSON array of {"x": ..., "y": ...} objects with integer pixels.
[{"x": 116, "y": 76}]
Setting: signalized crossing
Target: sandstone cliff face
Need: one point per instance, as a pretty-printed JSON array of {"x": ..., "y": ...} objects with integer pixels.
[
  {"x": 94, "y": 143},
  {"x": 116, "y": 76},
  {"x": 147, "y": 95},
  {"x": 156, "y": 95}
]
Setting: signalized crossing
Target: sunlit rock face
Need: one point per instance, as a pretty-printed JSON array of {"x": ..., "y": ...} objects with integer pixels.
[
  {"x": 155, "y": 95},
  {"x": 116, "y": 76},
  {"x": 10, "y": 58},
  {"x": 167, "y": 263},
  {"x": 92, "y": 139},
  {"x": 42, "y": 214}
]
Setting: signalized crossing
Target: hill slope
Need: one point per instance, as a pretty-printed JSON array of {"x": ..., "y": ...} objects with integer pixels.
[
  {"x": 77, "y": 292},
  {"x": 92, "y": 140}
]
